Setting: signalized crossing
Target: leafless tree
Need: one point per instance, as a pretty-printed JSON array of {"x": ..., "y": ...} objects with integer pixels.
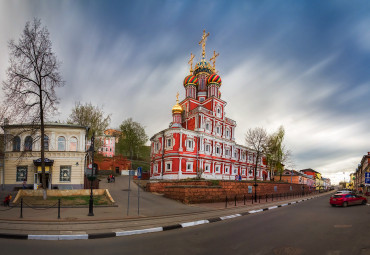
[
  {"x": 32, "y": 77},
  {"x": 256, "y": 139}
]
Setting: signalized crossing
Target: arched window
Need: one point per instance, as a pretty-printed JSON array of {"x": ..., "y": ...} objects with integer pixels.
[
  {"x": 28, "y": 143},
  {"x": 46, "y": 143},
  {"x": 61, "y": 143},
  {"x": 73, "y": 144},
  {"x": 16, "y": 143}
]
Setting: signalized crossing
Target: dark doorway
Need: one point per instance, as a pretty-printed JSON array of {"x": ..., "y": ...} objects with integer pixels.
[{"x": 117, "y": 170}]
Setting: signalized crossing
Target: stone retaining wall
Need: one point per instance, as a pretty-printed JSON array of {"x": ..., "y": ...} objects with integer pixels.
[{"x": 216, "y": 191}]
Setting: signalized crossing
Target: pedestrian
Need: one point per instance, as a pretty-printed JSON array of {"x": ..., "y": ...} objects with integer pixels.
[
  {"x": 7, "y": 199},
  {"x": 24, "y": 185},
  {"x": 108, "y": 178}
]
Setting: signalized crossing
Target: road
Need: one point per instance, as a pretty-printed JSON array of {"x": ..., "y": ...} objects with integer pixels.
[{"x": 311, "y": 227}]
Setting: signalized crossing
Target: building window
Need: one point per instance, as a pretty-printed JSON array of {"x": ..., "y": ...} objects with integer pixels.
[
  {"x": 208, "y": 148},
  {"x": 189, "y": 166},
  {"x": 227, "y": 170},
  {"x": 61, "y": 143},
  {"x": 217, "y": 150},
  {"x": 16, "y": 143},
  {"x": 65, "y": 174},
  {"x": 46, "y": 143},
  {"x": 169, "y": 142},
  {"x": 217, "y": 169},
  {"x": 73, "y": 144},
  {"x": 21, "y": 173},
  {"x": 207, "y": 168},
  {"x": 168, "y": 166},
  {"x": 226, "y": 152},
  {"x": 227, "y": 133},
  {"x": 235, "y": 170},
  {"x": 243, "y": 171},
  {"x": 28, "y": 143}
]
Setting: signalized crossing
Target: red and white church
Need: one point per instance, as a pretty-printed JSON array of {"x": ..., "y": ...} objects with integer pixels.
[{"x": 200, "y": 141}]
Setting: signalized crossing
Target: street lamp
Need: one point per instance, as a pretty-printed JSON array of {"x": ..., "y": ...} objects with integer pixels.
[{"x": 91, "y": 202}]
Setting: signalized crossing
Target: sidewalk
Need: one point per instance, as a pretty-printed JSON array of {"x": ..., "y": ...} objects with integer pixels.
[{"x": 156, "y": 214}]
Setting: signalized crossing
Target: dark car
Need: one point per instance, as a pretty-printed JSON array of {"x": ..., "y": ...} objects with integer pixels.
[{"x": 347, "y": 199}]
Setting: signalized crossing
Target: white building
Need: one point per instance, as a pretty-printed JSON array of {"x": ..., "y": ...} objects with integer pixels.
[{"x": 64, "y": 156}]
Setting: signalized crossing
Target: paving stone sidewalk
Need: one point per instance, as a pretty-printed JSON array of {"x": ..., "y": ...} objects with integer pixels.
[{"x": 155, "y": 211}]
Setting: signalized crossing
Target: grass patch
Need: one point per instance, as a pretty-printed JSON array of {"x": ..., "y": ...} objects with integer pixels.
[{"x": 65, "y": 201}]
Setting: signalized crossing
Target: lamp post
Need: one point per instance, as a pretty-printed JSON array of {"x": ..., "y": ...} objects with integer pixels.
[{"x": 91, "y": 202}]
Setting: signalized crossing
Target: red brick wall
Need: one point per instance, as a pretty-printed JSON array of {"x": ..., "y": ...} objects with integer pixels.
[{"x": 204, "y": 191}]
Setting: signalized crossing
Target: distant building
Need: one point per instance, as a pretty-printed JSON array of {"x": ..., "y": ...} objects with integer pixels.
[
  {"x": 292, "y": 176},
  {"x": 362, "y": 169},
  {"x": 64, "y": 156}
]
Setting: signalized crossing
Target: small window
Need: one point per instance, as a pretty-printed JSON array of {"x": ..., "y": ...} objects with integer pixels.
[
  {"x": 207, "y": 126},
  {"x": 218, "y": 130},
  {"x": 73, "y": 144},
  {"x": 61, "y": 143},
  {"x": 207, "y": 168},
  {"x": 21, "y": 173},
  {"x": 217, "y": 169},
  {"x": 65, "y": 174},
  {"x": 218, "y": 150},
  {"x": 189, "y": 166},
  {"x": 28, "y": 143},
  {"x": 46, "y": 143},
  {"x": 207, "y": 148},
  {"x": 168, "y": 166},
  {"x": 227, "y": 133},
  {"x": 227, "y": 169},
  {"x": 169, "y": 142},
  {"x": 16, "y": 143}
]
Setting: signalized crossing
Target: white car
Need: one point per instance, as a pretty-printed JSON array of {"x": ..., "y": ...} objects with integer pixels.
[{"x": 344, "y": 191}]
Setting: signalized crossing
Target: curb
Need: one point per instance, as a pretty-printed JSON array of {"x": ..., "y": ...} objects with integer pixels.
[{"x": 143, "y": 231}]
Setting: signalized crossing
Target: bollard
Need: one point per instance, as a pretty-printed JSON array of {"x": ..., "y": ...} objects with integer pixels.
[
  {"x": 244, "y": 199},
  {"x": 266, "y": 198},
  {"x": 235, "y": 200},
  {"x": 226, "y": 202},
  {"x": 21, "y": 208},
  {"x": 59, "y": 208},
  {"x": 259, "y": 199},
  {"x": 252, "y": 199}
]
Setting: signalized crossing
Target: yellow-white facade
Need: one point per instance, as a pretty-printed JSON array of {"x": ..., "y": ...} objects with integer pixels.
[{"x": 65, "y": 154}]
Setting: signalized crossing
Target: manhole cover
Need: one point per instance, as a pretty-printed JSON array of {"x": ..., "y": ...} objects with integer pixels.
[{"x": 287, "y": 251}]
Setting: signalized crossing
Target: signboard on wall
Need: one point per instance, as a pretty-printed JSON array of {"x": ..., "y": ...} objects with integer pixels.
[{"x": 367, "y": 179}]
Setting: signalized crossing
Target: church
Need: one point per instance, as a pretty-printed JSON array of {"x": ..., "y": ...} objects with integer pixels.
[{"x": 200, "y": 140}]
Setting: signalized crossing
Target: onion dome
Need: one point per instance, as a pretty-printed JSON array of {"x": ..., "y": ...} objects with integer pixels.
[
  {"x": 214, "y": 78},
  {"x": 203, "y": 67},
  {"x": 177, "y": 107},
  {"x": 190, "y": 79}
]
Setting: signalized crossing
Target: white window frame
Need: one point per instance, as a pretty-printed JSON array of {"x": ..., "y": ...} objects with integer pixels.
[
  {"x": 217, "y": 169},
  {"x": 189, "y": 169},
  {"x": 227, "y": 169},
  {"x": 243, "y": 171},
  {"x": 168, "y": 163},
  {"x": 191, "y": 141},
  {"x": 207, "y": 166}
]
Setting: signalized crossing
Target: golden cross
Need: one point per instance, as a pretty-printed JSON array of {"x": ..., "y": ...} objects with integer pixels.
[
  {"x": 203, "y": 42},
  {"x": 213, "y": 59},
  {"x": 191, "y": 62},
  {"x": 177, "y": 97}
]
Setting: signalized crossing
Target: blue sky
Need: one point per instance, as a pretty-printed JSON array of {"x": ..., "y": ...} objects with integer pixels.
[{"x": 300, "y": 64}]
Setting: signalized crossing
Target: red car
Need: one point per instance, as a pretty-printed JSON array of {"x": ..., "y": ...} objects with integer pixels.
[{"x": 347, "y": 199}]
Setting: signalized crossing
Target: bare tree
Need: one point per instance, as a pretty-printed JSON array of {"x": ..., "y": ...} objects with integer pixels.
[
  {"x": 256, "y": 139},
  {"x": 32, "y": 78}
]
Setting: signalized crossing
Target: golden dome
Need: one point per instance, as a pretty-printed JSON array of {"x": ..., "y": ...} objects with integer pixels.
[{"x": 177, "y": 107}]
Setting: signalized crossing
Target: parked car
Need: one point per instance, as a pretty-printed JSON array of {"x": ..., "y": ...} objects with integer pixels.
[
  {"x": 344, "y": 191},
  {"x": 347, "y": 199}
]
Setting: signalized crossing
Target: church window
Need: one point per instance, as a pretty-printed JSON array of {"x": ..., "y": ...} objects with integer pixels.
[
  {"x": 207, "y": 148},
  {"x": 168, "y": 166},
  {"x": 189, "y": 166},
  {"x": 169, "y": 142},
  {"x": 218, "y": 150},
  {"x": 227, "y": 169},
  {"x": 235, "y": 170},
  {"x": 243, "y": 171},
  {"x": 218, "y": 130},
  {"x": 207, "y": 168},
  {"x": 217, "y": 169}
]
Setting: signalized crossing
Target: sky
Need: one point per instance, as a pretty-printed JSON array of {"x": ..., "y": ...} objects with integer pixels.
[{"x": 300, "y": 64}]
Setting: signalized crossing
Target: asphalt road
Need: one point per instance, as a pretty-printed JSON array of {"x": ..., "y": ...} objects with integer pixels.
[{"x": 311, "y": 227}]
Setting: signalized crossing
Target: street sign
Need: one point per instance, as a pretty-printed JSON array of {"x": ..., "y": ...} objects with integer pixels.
[
  {"x": 367, "y": 179},
  {"x": 139, "y": 172}
]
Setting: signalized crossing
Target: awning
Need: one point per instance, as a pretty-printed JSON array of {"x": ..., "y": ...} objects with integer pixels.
[{"x": 48, "y": 162}]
